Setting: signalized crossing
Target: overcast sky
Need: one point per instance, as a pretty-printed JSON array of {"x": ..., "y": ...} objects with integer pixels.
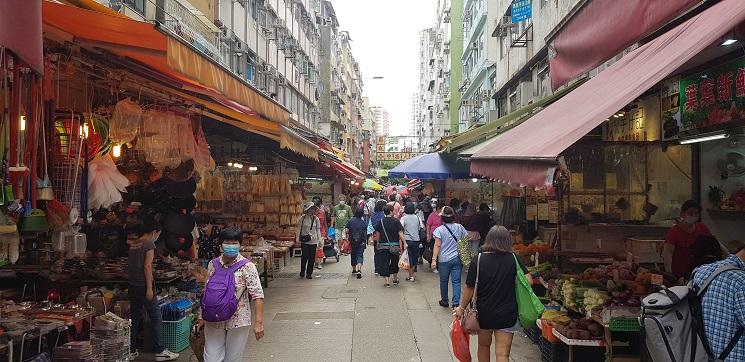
[{"x": 385, "y": 42}]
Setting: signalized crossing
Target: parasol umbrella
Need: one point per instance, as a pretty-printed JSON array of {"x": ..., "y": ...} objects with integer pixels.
[{"x": 371, "y": 184}]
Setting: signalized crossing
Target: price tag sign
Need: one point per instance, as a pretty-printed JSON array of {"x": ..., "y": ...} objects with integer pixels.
[{"x": 656, "y": 279}]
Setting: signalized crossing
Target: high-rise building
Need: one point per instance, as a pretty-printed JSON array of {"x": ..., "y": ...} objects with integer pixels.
[
  {"x": 440, "y": 71},
  {"x": 381, "y": 121}
]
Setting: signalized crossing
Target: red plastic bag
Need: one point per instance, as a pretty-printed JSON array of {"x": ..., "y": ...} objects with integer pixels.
[
  {"x": 346, "y": 247},
  {"x": 319, "y": 254},
  {"x": 460, "y": 340}
]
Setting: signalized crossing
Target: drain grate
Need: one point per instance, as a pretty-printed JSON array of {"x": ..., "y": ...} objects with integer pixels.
[{"x": 289, "y": 275}]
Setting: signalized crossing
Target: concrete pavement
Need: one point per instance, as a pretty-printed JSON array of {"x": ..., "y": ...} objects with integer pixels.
[{"x": 337, "y": 317}]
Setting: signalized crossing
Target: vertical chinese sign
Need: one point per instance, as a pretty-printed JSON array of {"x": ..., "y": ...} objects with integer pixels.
[{"x": 713, "y": 97}]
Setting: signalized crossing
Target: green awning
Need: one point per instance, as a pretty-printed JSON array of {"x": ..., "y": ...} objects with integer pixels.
[{"x": 482, "y": 133}]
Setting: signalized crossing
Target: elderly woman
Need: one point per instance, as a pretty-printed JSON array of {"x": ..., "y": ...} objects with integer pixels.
[
  {"x": 308, "y": 235},
  {"x": 493, "y": 271},
  {"x": 225, "y": 341}
]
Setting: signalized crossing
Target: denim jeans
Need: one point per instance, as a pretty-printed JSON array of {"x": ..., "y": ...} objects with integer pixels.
[
  {"x": 450, "y": 270},
  {"x": 358, "y": 253},
  {"x": 412, "y": 248},
  {"x": 137, "y": 302}
]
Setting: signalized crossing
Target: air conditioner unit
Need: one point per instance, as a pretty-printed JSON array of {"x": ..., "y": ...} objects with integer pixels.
[
  {"x": 485, "y": 95},
  {"x": 280, "y": 23},
  {"x": 281, "y": 81},
  {"x": 475, "y": 45}
]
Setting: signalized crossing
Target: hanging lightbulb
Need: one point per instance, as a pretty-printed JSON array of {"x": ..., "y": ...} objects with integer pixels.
[
  {"x": 116, "y": 151},
  {"x": 230, "y": 164},
  {"x": 475, "y": 180},
  {"x": 85, "y": 130},
  {"x": 23, "y": 123}
]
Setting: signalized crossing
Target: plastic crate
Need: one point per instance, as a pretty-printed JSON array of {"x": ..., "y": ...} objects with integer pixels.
[
  {"x": 553, "y": 352},
  {"x": 533, "y": 333},
  {"x": 176, "y": 310},
  {"x": 624, "y": 325},
  {"x": 176, "y": 334}
]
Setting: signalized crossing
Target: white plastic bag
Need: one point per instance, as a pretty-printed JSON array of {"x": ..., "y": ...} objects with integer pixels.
[{"x": 403, "y": 261}]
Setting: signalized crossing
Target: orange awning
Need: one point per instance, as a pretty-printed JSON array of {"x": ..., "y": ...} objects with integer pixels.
[{"x": 142, "y": 42}]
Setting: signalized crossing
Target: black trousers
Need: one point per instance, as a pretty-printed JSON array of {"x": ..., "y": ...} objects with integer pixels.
[
  {"x": 138, "y": 304},
  {"x": 389, "y": 263},
  {"x": 378, "y": 260},
  {"x": 307, "y": 259}
]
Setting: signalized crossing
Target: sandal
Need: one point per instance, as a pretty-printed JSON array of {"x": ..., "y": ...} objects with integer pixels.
[
  {"x": 395, "y": 282},
  {"x": 387, "y": 285}
]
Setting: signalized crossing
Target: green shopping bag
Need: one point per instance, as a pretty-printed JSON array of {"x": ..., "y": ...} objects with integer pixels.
[{"x": 529, "y": 307}]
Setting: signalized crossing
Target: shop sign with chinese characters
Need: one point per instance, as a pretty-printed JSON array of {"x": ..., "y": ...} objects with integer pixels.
[
  {"x": 397, "y": 156},
  {"x": 713, "y": 97},
  {"x": 631, "y": 126}
]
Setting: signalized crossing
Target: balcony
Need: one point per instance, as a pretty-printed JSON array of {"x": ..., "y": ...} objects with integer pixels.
[{"x": 193, "y": 27}]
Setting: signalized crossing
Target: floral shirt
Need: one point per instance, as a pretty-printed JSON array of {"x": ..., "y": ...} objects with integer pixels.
[{"x": 247, "y": 287}]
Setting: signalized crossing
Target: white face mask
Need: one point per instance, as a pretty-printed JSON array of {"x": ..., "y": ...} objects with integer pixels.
[{"x": 342, "y": 202}]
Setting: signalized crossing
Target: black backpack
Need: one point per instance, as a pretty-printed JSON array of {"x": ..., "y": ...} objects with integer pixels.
[{"x": 358, "y": 235}]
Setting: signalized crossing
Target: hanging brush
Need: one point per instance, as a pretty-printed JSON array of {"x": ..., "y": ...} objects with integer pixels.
[{"x": 20, "y": 167}]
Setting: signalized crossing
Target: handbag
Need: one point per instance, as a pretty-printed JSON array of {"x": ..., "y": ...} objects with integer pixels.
[
  {"x": 463, "y": 245},
  {"x": 394, "y": 249},
  {"x": 470, "y": 317},
  {"x": 529, "y": 307},
  {"x": 305, "y": 239}
]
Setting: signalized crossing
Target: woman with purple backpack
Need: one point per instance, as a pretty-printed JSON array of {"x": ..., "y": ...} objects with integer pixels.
[{"x": 226, "y": 309}]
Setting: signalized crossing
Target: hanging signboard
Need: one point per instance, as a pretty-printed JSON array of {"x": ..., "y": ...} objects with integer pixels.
[
  {"x": 713, "y": 97},
  {"x": 521, "y": 10},
  {"x": 397, "y": 156}
]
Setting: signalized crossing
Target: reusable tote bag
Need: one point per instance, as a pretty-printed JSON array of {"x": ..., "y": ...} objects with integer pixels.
[{"x": 529, "y": 307}]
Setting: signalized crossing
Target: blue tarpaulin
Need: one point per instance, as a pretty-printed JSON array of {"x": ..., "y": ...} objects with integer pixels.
[{"x": 432, "y": 166}]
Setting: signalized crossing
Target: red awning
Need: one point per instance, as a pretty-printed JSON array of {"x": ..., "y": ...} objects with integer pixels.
[
  {"x": 602, "y": 29},
  {"x": 20, "y": 30},
  {"x": 540, "y": 139}
]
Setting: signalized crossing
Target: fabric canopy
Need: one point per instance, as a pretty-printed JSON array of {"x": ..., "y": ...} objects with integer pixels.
[
  {"x": 20, "y": 30},
  {"x": 602, "y": 29},
  {"x": 544, "y": 136},
  {"x": 432, "y": 166},
  {"x": 290, "y": 140}
]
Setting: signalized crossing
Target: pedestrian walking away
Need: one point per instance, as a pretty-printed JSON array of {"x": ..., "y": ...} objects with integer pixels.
[
  {"x": 308, "y": 235},
  {"x": 412, "y": 226},
  {"x": 391, "y": 244},
  {"x": 490, "y": 284},
  {"x": 375, "y": 219},
  {"x": 357, "y": 231},
  {"x": 324, "y": 226},
  {"x": 141, "y": 237},
  {"x": 226, "y": 311},
  {"x": 445, "y": 258},
  {"x": 339, "y": 217}
]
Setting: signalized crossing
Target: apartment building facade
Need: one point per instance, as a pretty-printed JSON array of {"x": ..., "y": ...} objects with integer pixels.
[
  {"x": 288, "y": 49},
  {"x": 440, "y": 73},
  {"x": 522, "y": 72},
  {"x": 478, "y": 63}
]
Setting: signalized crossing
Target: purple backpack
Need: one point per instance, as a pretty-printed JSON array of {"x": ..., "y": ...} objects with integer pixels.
[{"x": 218, "y": 301}]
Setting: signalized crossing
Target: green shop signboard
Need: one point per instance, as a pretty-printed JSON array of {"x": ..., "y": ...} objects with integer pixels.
[{"x": 713, "y": 97}]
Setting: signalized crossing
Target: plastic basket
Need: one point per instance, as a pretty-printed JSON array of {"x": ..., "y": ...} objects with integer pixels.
[
  {"x": 176, "y": 334},
  {"x": 553, "y": 352},
  {"x": 533, "y": 333},
  {"x": 624, "y": 325}
]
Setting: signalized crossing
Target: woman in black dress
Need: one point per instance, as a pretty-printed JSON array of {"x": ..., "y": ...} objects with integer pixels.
[{"x": 495, "y": 300}]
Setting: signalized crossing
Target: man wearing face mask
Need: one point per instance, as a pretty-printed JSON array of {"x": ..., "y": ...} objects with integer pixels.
[
  {"x": 141, "y": 239},
  {"x": 680, "y": 237},
  {"x": 342, "y": 214}
]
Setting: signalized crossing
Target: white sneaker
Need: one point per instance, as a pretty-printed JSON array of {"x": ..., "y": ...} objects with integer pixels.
[{"x": 166, "y": 355}]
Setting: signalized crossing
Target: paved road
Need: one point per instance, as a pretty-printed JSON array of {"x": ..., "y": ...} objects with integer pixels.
[{"x": 336, "y": 317}]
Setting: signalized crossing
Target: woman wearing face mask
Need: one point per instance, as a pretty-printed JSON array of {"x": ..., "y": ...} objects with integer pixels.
[
  {"x": 678, "y": 259},
  {"x": 141, "y": 239},
  {"x": 226, "y": 341}
]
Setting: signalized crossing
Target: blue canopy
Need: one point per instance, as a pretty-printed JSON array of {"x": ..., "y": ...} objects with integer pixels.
[{"x": 432, "y": 166}]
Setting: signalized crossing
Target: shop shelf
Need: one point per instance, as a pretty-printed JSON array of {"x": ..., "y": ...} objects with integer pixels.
[{"x": 176, "y": 334}]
